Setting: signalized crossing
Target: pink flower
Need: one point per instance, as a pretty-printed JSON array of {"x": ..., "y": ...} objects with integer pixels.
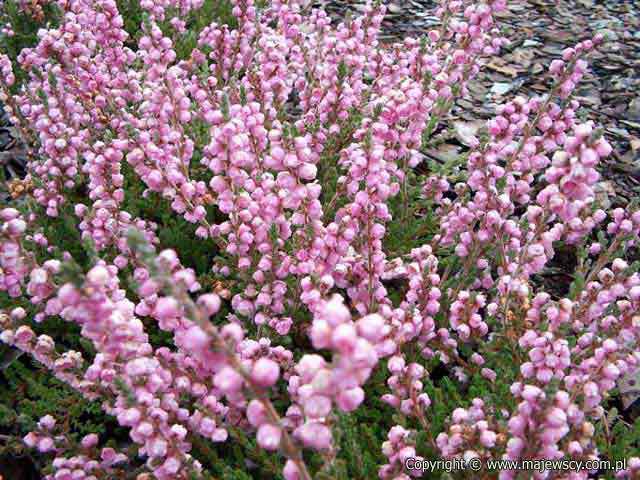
[
  {"x": 265, "y": 372},
  {"x": 89, "y": 441},
  {"x": 228, "y": 380},
  {"x": 269, "y": 436}
]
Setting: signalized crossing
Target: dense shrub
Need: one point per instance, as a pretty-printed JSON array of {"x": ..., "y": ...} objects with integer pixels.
[{"x": 236, "y": 218}]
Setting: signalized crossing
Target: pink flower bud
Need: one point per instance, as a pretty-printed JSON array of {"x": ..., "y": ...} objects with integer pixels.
[
  {"x": 556, "y": 417},
  {"x": 178, "y": 431},
  {"x": 256, "y": 413},
  {"x": 269, "y": 436},
  {"x": 349, "y": 400},
  {"x": 45, "y": 445},
  {"x": 317, "y": 406},
  {"x": 210, "y": 302},
  {"x": 98, "y": 275},
  {"x": 265, "y": 372},
  {"x": 344, "y": 337},
  {"x": 320, "y": 334},
  {"x": 157, "y": 447},
  {"x": 233, "y": 332},
  {"x": 488, "y": 438},
  {"x": 583, "y": 130},
  {"x": 228, "y": 380},
  {"x": 335, "y": 312},
  {"x": 166, "y": 308},
  {"x": 371, "y": 327},
  {"x": 47, "y": 422},
  {"x": 290, "y": 471},
  {"x": 308, "y": 171},
  {"x": 30, "y": 439},
  {"x": 314, "y": 435},
  {"x": 16, "y": 227},
  {"x": 196, "y": 339},
  {"x": 89, "y": 441}
]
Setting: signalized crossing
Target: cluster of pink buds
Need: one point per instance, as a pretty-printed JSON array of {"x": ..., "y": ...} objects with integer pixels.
[
  {"x": 264, "y": 373},
  {"x": 624, "y": 223},
  {"x": 571, "y": 57},
  {"x": 465, "y": 318},
  {"x": 109, "y": 464},
  {"x": 546, "y": 426},
  {"x": 165, "y": 309},
  {"x": 88, "y": 463},
  {"x": 8, "y": 31},
  {"x": 318, "y": 384},
  {"x": 549, "y": 357},
  {"x": 632, "y": 471},
  {"x": 424, "y": 292},
  {"x": 13, "y": 261},
  {"x": 43, "y": 439},
  {"x": 572, "y": 173},
  {"x": 399, "y": 448},
  {"x": 434, "y": 188},
  {"x": 406, "y": 384},
  {"x": 471, "y": 434},
  {"x": 6, "y": 70}
]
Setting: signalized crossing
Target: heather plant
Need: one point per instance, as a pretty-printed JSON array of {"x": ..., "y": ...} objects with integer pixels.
[{"x": 235, "y": 219}]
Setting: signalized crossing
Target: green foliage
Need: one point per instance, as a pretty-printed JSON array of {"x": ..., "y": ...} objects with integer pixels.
[
  {"x": 617, "y": 439},
  {"x": 413, "y": 219},
  {"x": 29, "y": 392}
]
